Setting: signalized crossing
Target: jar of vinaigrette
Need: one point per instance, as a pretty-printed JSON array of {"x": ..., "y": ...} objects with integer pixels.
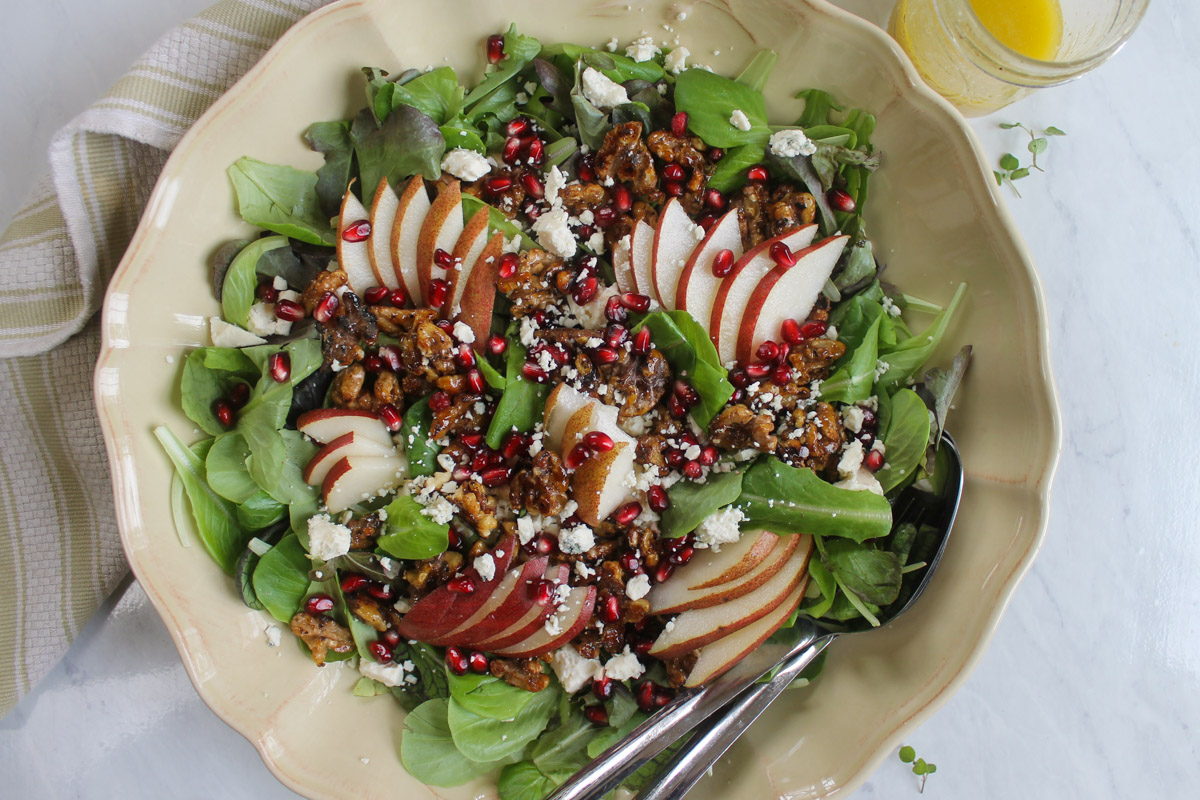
[{"x": 982, "y": 55}]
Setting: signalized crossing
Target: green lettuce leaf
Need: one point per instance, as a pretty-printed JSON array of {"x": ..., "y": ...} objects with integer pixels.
[{"x": 280, "y": 199}]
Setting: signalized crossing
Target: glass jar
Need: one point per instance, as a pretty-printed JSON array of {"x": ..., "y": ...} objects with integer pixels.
[{"x": 964, "y": 62}]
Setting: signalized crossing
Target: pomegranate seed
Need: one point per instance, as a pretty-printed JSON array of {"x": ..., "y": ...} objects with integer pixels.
[
  {"x": 508, "y": 265},
  {"x": 381, "y": 651},
  {"x": 706, "y": 220},
  {"x": 497, "y": 344},
  {"x": 627, "y": 513},
  {"x": 656, "y": 496},
  {"x": 767, "y": 351},
  {"x": 453, "y": 537},
  {"x": 390, "y": 354},
  {"x": 559, "y": 354},
  {"x": 758, "y": 173},
  {"x": 684, "y": 554},
  {"x": 708, "y": 456},
  {"x": 689, "y": 438},
  {"x": 673, "y": 172},
  {"x": 532, "y": 185},
  {"x": 605, "y": 216},
  {"x": 676, "y": 407},
  {"x": 535, "y": 154},
  {"x": 267, "y": 293},
  {"x": 638, "y": 303},
  {"x": 692, "y": 469},
  {"x": 585, "y": 292},
  {"x": 738, "y": 396},
  {"x": 223, "y": 411},
  {"x": 609, "y": 608},
  {"x": 782, "y": 255},
  {"x": 739, "y": 379},
  {"x": 602, "y": 687},
  {"x": 353, "y": 582},
  {"x": 391, "y": 417},
  {"x": 586, "y": 169},
  {"x": 813, "y": 329},
  {"x": 791, "y": 331},
  {"x": 495, "y": 476},
  {"x": 622, "y": 199},
  {"x": 497, "y": 185},
  {"x": 867, "y": 438},
  {"x": 398, "y": 298},
  {"x": 629, "y": 562},
  {"x": 673, "y": 188},
  {"x": 515, "y": 445},
  {"x": 841, "y": 200},
  {"x": 578, "y": 454},
  {"x": 530, "y": 371},
  {"x": 461, "y": 584},
  {"x": 318, "y": 604},
  {"x": 517, "y": 126},
  {"x": 598, "y": 441},
  {"x": 615, "y": 335},
  {"x": 758, "y": 371},
  {"x": 326, "y": 307},
  {"x": 289, "y": 310},
  {"x": 645, "y": 696},
  {"x": 543, "y": 545},
  {"x": 543, "y": 592},
  {"x": 679, "y": 123},
  {"x": 715, "y": 154},
  {"x": 605, "y": 355},
  {"x": 456, "y": 660},
  {"x": 478, "y": 662},
  {"x": 495, "y": 48},
  {"x": 873, "y": 460},
  {"x": 476, "y": 382},
  {"x": 391, "y": 637},
  {"x": 480, "y": 461},
  {"x": 512, "y": 150},
  {"x": 239, "y": 395},
  {"x": 641, "y": 342},
  {"x": 465, "y": 356},
  {"x": 280, "y": 367},
  {"x": 714, "y": 199},
  {"x": 471, "y": 441},
  {"x": 614, "y": 311},
  {"x": 439, "y": 401},
  {"x": 663, "y": 572},
  {"x": 675, "y": 457},
  {"x": 356, "y": 231},
  {"x": 443, "y": 259},
  {"x": 380, "y": 591},
  {"x": 687, "y": 395},
  {"x": 869, "y": 419},
  {"x": 438, "y": 289},
  {"x": 662, "y": 696},
  {"x": 376, "y": 295},
  {"x": 597, "y": 715},
  {"x": 782, "y": 375}
]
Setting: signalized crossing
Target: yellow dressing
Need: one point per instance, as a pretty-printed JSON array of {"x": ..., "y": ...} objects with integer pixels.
[{"x": 1032, "y": 28}]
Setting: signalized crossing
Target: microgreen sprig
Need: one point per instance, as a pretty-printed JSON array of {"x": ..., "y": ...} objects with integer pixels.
[
  {"x": 1010, "y": 166},
  {"x": 920, "y": 766}
]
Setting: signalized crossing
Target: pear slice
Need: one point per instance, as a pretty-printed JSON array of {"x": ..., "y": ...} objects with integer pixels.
[
  {"x": 326, "y": 424},
  {"x": 411, "y": 210},
  {"x": 531, "y": 621},
  {"x": 674, "y": 242},
  {"x": 709, "y": 568},
  {"x": 641, "y": 258},
  {"x": 352, "y": 443},
  {"x": 355, "y": 479},
  {"x": 466, "y": 250},
  {"x": 622, "y": 261},
  {"x": 568, "y": 621},
  {"x": 561, "y": 405},
  {"x": 383, "y": 217},
  {"x": 474, "y": 291},
  {"x": 697, "y": 285},
  {"x": 675, "y": 595},
  {"x": 443, "y": 225},
  {"x": 355, "y": 256}
]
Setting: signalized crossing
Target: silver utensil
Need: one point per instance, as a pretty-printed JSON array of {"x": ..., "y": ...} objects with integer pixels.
[{"x": 789, "y": 651}]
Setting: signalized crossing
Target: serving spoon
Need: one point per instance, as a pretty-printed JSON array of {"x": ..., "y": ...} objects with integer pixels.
[{"x": 737, "y": 695}]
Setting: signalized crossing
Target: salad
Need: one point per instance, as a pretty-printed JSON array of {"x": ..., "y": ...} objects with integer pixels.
[{"x": 546, "y": 398}]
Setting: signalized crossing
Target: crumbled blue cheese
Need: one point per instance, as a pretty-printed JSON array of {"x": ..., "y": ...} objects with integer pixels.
[
  {"x": 485, "y": 565},
  {"x": 852, "y": 418},
  {"x": 525, "y": 529},
  {"x": 600, "y": 91},
  {"x": 638, "y": 587},
  {"x": 279, "y": 284},
  {"x": 440, "y": 510},
  {"x": 890, "y": 306},
  {"x": 573, "y": 670},
  {"x": 465, "y": 164},
  {"x": 676, "y": 60},
  {"x": 739, "y": 120},
  {"x": 577, "y": 539},
  {"x": 555, "y": 181},
  {"x": 854, "y": 475},
  {"x": 327, "y": 539},
  {"x": 393, "y": 674},
  {"x": 463, "y": 332},
  {"x": 642, "y": 49},
  {"x": 273, "y": 634},
  {"x": 624, "y": 667},
  {"x": 612, "y": 45},
  {"x": 583, "y": 570},
  {"x": 225, "y": 335},
  {"x": 791, "y": 143},
  {"x": 719, "y": 528},
  {"x": 263, "y": 322},
  {"x": 554, "y": 233}
]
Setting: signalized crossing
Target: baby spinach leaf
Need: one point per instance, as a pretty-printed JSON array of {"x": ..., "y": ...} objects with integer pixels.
[
  {"x": 494, "y": 379},
  {"x": 906, "y": 438},
  {"x": 422, "y": 453},
  {"x": 430, "y": 669},
  {"x": 818, "y": 107},
  {"x": 523, "y": 402},
  {"x": 710, "y": 100},
  {"x": 758, "y": 71},
  {"x": 692, "y": 356},
  {"x": 615, "y": 66},
  {"x": 854, "y": 377},
  {"x": 857, "y": 265},
  {"x": 281, "y": 579},
  {"x": 593, "y": 123},
  {"x": 908, "y": 356},
  {"x": 332, "y": 139},
  {"x": 825, "y": 582},
  {"x": 280, "y": 199},
  {"x": 458, "y": 134},
  {"x": 221, "y": 260},
  {"x": 436, "y": 93},
  {"x": 408, "y": 142},
  {"x": 524, "y": 781},
  {"x": 283, "y": 262},
  {"x": 873, "y": 575},
  {"x": 226, "y": 468},
  {"x": 485, "y": 739},
  {"x": 259, "y": 511},
  {"x": 786, "y": 500},
  {"x": 200, "y": 386},
  {"x": 611, "y": 735},
  {"x": 428, "y": 751},
  {"x": 563, "y": 751},
  {"x": 241, "y": 281},
  {"x": 692, "y": 502},
  {"x": 496, "y": 219},
  {"x": 410, "y": 534},
  {"x": 487, "y": 696},
  {"x": 216, "y": 517},
  {"x": 519, "y": 50},
  {"x": 730, "y": 173}
]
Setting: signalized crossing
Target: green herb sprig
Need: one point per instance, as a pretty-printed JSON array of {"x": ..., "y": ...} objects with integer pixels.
[
  {"x": 1010, "y": 166},
  {"x": 920, "y": 766}
]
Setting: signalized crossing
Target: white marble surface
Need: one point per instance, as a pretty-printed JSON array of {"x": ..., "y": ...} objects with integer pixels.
[{"x": 1091, "y": 688}]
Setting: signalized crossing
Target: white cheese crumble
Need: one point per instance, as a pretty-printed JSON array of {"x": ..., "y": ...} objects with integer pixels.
[
  {"x": 554, "y": 234},
  {"x": 388, "y": 674},
  {"x": 465, "y": 164},
  {"x": 720, "y": 528},
  {"x": 583, "y": 570},
  {"x": 225, "y": 335},
  {"x": 573, "y": 670},
  {"x": 638, "y": 587},
  {"x": 525, "y": 529},
  {"x": 600, "y": 91},
  {"x": 279, "y": 283},
  {"x": 555, "y": 181},
  {"x": 642, "y": 49},
  {"x": 739, "y": 120},
  {"x": 440, "y": 510},
  {"x": 612, "y": 45},
  {"x": 577, "y": 539},
  {"x": 890, "y": 306},
  {"x": 326, "y": 538},
  {"x": 624, "y": 667},
  {"x": 791, "y": 143},
  {"x": 852, "y": 418},
  {"x": 485, "y": 565},
  {"x": 464, "y": 333},
  {"x": 273, "y": 635},
  {"x": 263, "y": 322},
  {"x": 676, "y": 60}
]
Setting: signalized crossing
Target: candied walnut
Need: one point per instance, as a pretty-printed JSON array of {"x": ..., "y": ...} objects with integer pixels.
[
  {"x": 813, "y": 359},
  {"x": 739, "y": 428},
  {"x": 396, "y": 321},
  {"x": 543, "y": 487},
  {"x": 642, "y": 382},
  {"x": 636, "y": 611},
  {"x": 612, "y": 638},
  {"x": 343, "y": 336},
  {"x": 438, "y": 347},
  {"x": 322, "y": 635},
  {"x": 432, "y": 572},
  {"x": 457, "y": 417},
  {"x": 347, "y": 388},
  {"x": 363, "y": 532},
  {"x": 685, "y": 151},
  {"x": 645, "y": 543},
  {"x": 387, "y": 390},
  {"x": 326, "y": 282},
  {"x": 371, "y": 611},
  {"x": 678, "y": 669},
  {"x": 477, "y": 506},
  {"x": 588, "y": 643},
  {"x": 580, "y": 197},
  {"x": 652, "y": 450},
  {"x": 531, "y": 287},
  {"x": 624, "y": 157},
  {"x": 789, "y": 209},
  {"x": 611, "y": 579},
  {"x": 816, "y": 441},
  {"x": 523, "y": 673},
  {"x": 752, "y": 215}
]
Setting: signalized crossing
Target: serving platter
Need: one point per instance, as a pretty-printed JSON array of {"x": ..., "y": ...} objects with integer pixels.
[{"x": 935, "y": 218}]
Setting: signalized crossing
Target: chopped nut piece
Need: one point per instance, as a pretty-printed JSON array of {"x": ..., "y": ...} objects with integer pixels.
[
  {"x": 322, "y": 635},
  {"x": 815, "y": 443},
  {"x": 542, "y": 488},
  {"x": 523, "y": 673},
  {"x": 739, "y": 428},
  {"x": 624, "y": 157}
]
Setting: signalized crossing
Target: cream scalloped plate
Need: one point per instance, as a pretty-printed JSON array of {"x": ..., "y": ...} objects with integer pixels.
[{"x": 936, "y": 220}]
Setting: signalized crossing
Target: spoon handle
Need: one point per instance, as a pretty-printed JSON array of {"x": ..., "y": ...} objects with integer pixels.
[{"x": 716, "y": 734}]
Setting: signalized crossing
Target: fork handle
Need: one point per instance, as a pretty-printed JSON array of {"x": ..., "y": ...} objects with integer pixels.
[{"x": 721, "y": 730}]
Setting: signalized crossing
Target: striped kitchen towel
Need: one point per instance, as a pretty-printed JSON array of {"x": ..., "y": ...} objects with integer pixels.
[{"x": 59, "y": 551}]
